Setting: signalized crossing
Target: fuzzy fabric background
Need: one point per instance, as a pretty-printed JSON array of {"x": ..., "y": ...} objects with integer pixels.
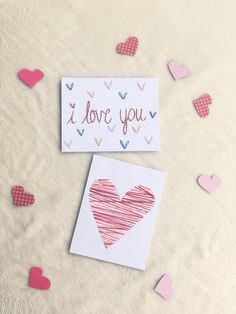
[{"x": 194, "y": 239}]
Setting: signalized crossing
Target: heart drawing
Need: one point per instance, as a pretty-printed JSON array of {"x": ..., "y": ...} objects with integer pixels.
[
  {"x": 37, "y": 281},
  {"x": 21, "y": 198},
  {"x": 114, "y": 216}
]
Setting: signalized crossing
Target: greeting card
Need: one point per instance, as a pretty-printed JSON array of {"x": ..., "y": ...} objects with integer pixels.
[
  {"x": 118, "y": 212},
  {"x": 109, "y": 114}
]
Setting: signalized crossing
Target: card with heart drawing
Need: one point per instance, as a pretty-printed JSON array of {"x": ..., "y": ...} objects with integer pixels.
[{"x": 118, "y": 212}]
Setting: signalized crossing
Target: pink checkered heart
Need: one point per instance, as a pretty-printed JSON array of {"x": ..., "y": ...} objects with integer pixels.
[
  {"x": 21, "y": 198},
  {"x": 202, "y": 105},
  {"x": 129, "y": 47},
  {"x": 177, "y": 70}
]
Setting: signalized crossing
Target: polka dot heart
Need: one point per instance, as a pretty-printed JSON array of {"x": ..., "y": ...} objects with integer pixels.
[
  {"x": 21, "y": 198},
  {"x": 202, "y": 105},
  {"x": 129, "y": 47}
]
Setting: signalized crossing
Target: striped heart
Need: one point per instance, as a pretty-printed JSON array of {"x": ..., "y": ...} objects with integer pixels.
[{"x": 114, "y": 216}]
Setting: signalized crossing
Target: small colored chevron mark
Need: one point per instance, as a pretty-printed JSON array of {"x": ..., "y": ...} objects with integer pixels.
[
  {"x": 98, "y": 141},
  {"x": 124, "y": 145},
  {"x": 67, "y": 144},
  {"x": 148, "y": 140},
  {"x": 70, "y": 87},
  {"x": 152, "y": 114},
  {"x": 108, "y": 85},
  {"x": 141, "y": 87},
  {"x": 123, "y": 96},
  {"x": 136, "y": 130},
  {"x": 91, "y": 94},
  {"x": 72, "y": 105},
  {"x": 81, "y": 132},
  {"x": 111, "y": 128}
]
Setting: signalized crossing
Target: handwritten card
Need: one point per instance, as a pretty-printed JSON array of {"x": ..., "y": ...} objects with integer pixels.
[
  {"x": 118, "y": 212},
  {"x": 109, "y": 114}
]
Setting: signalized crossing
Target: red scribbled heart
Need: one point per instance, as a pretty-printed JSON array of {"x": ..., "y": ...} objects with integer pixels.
[
  {"x": 129, "y": 47},
  {"x": 201, "y": 105},
  {"x": 114, "y": 216},
  {"x": 21, "y": 198},
  {"x": 30, "y": 78},
  {"x": 37, "y": 281}
]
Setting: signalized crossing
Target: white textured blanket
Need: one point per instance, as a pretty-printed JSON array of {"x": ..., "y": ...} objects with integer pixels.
[{"x": 195, "y": 233}]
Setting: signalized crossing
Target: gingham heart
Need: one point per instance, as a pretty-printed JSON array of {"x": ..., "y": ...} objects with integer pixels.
[
  {"x": 21, "y": 198},
  {"x": 129, "y": 47},
  {"x": 201, "y": 105}
]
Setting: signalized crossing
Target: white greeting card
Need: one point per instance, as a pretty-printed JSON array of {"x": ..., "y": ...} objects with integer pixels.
[
  {"x": 109, "y": 114},
  {"x": 118, "y": 212}
]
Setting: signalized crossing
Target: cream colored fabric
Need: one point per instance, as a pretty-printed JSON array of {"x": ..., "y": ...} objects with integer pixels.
[{"x": 194, "y": 240}]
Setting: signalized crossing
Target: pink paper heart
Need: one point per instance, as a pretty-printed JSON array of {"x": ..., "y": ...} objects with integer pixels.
[
  {"x": 114, "y": 216},
  {"x": 163, "y": 287},
  {"x": 30, "y": 78},
  {"x": 37, "y": 281},
  {"x": 21, "y": 198},
  {"x": 209, "y": 184},
  {"x": 202, "y": 105},
  {"x": 177, "y": 70},
  {"x": 129, "y": 47}
]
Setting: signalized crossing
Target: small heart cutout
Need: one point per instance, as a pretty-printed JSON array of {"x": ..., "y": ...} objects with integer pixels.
[
  {"x": 209, "y": 184},
  {"x": 129, "y": 47},
  {"x": 163, "y": 287},
  {"x": 37, "y": 281},
  {"x": 202, "y": 105},
  {"x": 30, "y": 78},
  {"x": 21, "y": 198},
  {"x": 177, "y": 70}
]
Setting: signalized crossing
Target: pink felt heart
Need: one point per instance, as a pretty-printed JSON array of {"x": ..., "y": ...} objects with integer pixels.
[
  {"x": 30, "y": 78},
  {"x": 163, "y": 287},
  {"x": 114, "y": 216},
  {"x": 37, "y": 281},
  {"x": 129, "y": 47},
  {"x": 202, "y": 105},
  {"x": 177, "y": 70},
  {"x": 209, "y": 184}
]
